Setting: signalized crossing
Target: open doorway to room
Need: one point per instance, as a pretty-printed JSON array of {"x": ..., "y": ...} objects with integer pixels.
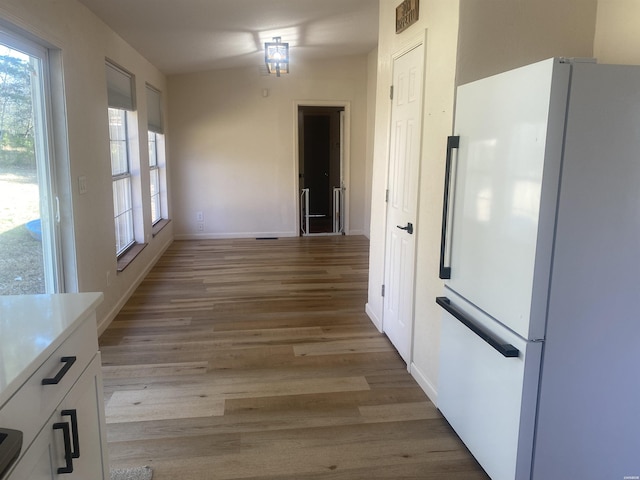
[{"x": 321, "y": 147}]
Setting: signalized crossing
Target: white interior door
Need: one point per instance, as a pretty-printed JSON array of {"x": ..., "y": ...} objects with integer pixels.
[{"x": 402, "y": 202}]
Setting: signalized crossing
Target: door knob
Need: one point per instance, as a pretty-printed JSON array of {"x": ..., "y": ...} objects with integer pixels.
[{"x": 408, "y": 228}]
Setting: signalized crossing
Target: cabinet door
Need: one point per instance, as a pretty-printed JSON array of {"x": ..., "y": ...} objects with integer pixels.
[
  {"x": 36, "y": 463},
  {"x": 84, "y": 403}
]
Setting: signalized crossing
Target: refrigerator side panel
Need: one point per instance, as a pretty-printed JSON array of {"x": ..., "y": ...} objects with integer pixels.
[
  {"x": 588, "y": 420},
  {"x": 503, "y": 124}
]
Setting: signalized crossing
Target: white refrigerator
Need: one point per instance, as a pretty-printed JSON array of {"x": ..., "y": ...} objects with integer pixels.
[{"x": 540, "y": 340}]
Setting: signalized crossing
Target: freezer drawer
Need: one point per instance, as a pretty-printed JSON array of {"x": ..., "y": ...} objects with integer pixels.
[{"x": 488, "y": 395}]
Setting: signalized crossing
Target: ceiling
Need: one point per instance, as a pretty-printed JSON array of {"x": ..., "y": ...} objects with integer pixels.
[{"x": 184, "y": 36}]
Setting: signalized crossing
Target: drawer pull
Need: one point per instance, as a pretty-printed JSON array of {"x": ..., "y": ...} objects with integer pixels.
[
  {"x": 68, "y": 468},
  {"x": 75, "y": 452},
  {"x": 68, "y": 361},
  {"x": 505, "y": 349}
]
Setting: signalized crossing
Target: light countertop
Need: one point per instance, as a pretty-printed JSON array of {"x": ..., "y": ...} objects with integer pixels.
[{"x": 32, "y": 327}]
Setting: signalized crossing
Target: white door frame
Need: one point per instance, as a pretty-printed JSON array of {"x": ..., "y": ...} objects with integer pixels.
[
  {"x": 345, "y": 149},
  {"x": 415, "y": 43},
  {"x": 49, "y": 186}
]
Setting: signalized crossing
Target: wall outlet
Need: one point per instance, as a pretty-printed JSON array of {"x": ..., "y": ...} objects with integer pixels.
[
  {"x": 201, "y": 226},
  {"x": 82, "y": 185},
  {"x": 199, "y": 217}
]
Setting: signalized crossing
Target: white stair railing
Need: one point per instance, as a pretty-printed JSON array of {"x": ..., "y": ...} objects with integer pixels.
[
  {"x": 304, "y": 211},
  {"x": 338, "y": 207}
]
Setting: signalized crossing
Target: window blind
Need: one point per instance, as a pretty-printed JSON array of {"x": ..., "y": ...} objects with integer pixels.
[
  {"x": 119, "y": 88},
  {"x": 154, "y": 110}
]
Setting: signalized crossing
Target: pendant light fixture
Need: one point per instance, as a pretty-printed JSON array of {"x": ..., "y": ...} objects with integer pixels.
[{"x": 276, "y": 56}]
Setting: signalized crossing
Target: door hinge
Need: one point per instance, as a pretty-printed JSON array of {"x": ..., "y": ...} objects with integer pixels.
[
  {"x": 391, "y": 92},
  {"x": 382, "y": 292},
  {"x": 386, "y": 196}
]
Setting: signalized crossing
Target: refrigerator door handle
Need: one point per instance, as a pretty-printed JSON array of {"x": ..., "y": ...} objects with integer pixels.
[
  {"x": 453, "y": 142},
  {"x": 505, "y": 349}
]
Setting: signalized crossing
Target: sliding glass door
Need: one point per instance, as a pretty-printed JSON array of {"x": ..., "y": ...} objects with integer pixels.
[{"x": 29, "y": 217}]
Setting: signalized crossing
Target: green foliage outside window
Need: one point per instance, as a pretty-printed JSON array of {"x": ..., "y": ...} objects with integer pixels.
[{"x": 16, "y": 112}]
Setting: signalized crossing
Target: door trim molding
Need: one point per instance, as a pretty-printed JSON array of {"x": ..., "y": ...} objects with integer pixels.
[
  {"x": 346, "y": 161},
  {"x": 415, "y": 42}
]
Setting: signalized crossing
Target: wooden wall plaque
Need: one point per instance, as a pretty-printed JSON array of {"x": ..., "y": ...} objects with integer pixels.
[{"x": 406, "y": 14}]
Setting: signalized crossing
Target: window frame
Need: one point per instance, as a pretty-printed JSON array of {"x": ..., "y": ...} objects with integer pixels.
[
  {"x": 117, "y": 179},
  {"x": 121, "y": 98},
  {"x": 154, "y": 170},
  {"x": 157, "y": 160},
  {"x": 42, "y": 94}
]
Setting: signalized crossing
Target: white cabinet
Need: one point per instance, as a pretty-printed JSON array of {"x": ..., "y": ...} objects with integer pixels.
[
  {"x": 78, "y": 411},
  {"x": 58, "y": 404}
]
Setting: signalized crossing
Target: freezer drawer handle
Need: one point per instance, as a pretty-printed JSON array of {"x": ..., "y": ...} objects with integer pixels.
[
  {"x": 506, "y": 349},
  {"x": 445, "y": 262}
]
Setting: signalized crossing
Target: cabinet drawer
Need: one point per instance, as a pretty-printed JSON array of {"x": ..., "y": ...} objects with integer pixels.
[{"x": 34, "y": 402}]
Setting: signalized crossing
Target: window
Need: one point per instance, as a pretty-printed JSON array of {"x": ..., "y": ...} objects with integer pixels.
[
  {"x": 154, "y": 179},
  {"x": 156, "y": 158},
  {"x": 120, "y": 96},
  {"x": 121, "y": 179},
  {"x": 30, "y": 260}
]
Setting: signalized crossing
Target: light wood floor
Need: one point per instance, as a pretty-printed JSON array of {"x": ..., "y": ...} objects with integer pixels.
[{"x": 254, "y": 359}]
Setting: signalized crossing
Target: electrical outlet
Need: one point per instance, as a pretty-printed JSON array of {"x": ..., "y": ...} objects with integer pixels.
[
  {"x": 201, "y": 226},
  {"x": 82, "y": 185},
  {"x": 199, "y": 217}
]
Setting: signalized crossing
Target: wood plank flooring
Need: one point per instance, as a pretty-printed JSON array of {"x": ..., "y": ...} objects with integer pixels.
[{"x": 254, "y": 359}]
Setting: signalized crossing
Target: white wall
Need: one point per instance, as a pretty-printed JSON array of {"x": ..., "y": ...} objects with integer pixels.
[
  {"x": 80, "y": 41},
  {"x": 617, "y": 38},
  {"x": 502, "y": 34},
  {"x": 439, "y": 24},
  {"x": 372, "y": 72},
  {"x": 234, "y": 151}
]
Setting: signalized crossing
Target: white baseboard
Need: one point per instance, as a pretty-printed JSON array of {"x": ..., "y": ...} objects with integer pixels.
[
  {"x": 229, "y": 236},
  {"x": 374, "y": 318},
  {"x": 106, "y": 321},
  {"x": 424, "y": 383}
]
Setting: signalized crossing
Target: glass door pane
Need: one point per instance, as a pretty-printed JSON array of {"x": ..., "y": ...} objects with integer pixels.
[{"x": 28, "y": 223}]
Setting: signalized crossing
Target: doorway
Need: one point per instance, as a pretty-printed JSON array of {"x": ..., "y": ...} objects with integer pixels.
[
  {"x": 321, "y": 182},
  {"x": 30, "y": 257}
]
